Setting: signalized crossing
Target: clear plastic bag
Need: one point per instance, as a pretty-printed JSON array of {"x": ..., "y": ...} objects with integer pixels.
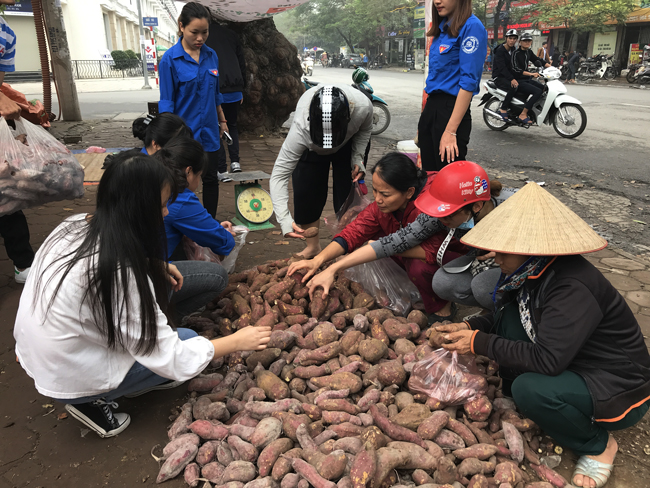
[
  {"x": 40, "y": 171},
  {"x": 240, "y": 240},
  {"x": 448, "y": 377},
  {"x": 352, "y": 207},
  {"x": 385, "y": 280}
]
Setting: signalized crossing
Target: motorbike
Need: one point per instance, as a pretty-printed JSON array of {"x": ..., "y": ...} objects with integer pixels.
[
  {"x": 308, "y": 66},
  {"x": 380, "y": 112},
  {"x": 555, "y": 107},
  {"x": 597, "y": 67},
  {"x": 638, "y": 73}
]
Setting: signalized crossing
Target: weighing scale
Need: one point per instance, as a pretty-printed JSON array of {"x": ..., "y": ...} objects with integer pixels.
[{"x": 253, "y": 204}]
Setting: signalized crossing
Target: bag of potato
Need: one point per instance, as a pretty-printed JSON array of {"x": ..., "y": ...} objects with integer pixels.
[
  {"x": 352, "y": 207},
  {"x": 447, "y": 377},
  {"x": 194, "y": 252}
]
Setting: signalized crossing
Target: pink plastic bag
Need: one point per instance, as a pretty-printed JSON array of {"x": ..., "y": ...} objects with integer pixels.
[
  {"x": 448, "y": 377},
  {"x": 96, "y": 149},
  {"x": 352, "y": 207},
  {"x": 194, "y": 252}
]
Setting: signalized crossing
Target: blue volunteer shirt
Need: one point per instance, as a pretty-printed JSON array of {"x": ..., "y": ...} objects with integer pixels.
[
  {"x": 191, "y": 90},
  {"x": 187, "y": 217},
  {"x": 144, "y": 151},
  {"x": 232, "y": 97},
  {"x": 7, "y": 47},
  {"x": 457, "y": 62}
]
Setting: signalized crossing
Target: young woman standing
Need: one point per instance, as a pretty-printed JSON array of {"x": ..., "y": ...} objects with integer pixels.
[
  {"x": 455, "y": 67},
  {"x": 189, "y": 87}
]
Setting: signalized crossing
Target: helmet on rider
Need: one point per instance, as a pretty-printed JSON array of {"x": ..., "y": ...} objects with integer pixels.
[
  {"x": 359, "y": 75},
  {"x": 512, "y": 33},
  {"x": 329, "y": 115},
  {"x": 456, "y": 185},
  {"x": 526, "y": 36}
]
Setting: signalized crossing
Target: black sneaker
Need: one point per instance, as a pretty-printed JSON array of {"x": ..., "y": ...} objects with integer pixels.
[
  {"x": 167, "y": 385},
  {"x": 99, "y": 417}
]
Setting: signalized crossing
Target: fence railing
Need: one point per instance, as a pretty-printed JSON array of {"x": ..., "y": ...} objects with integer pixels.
[{"x": 93, "y": 69}]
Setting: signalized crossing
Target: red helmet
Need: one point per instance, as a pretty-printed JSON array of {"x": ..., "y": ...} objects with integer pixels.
[{"x": 456, "y": 185}]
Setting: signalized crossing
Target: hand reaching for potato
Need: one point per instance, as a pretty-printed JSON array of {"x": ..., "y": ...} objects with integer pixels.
[
  {"x": 252, "y": 338},
  {"x": 309, "y": 264},
  {"x": 460, "y": 341},
  {"x": 324, "y": 279},
  {"x": 452, "y": 327}
]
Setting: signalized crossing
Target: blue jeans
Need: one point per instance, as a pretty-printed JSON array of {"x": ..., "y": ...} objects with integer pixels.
[
  {"x": 202, "y": 283},
  {"x": 138, "y": 378}
]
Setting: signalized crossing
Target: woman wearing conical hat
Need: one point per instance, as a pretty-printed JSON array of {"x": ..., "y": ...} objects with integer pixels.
[{"x": 568, "y": 346}]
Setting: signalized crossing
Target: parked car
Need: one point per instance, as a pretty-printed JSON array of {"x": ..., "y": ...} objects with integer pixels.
[{"x": 350, "y": 60}]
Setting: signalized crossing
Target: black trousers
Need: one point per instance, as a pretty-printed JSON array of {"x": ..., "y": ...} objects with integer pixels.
[
  {"x": 531, "y": 87},
  {"x": 230, "y": 111},
  {"x": 311, "y": 182},
  {"x": 15, "y": 232},
  {"x": 505, "y": 85},
  {"x": 210, "y": 178},
  {"x": 432, "y": 124}
]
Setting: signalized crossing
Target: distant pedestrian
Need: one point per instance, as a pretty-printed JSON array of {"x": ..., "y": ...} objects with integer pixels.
[
  {"x": 543, "y": 54},
  {"x": 365, "y": 61},
  {"x": 189, "y": 87},
  {"x": 555, "y": 60},
  {"x": 573, "y": 66},
  {"x": 232, "y": 82},
  {"x": 456, "y": 62}
]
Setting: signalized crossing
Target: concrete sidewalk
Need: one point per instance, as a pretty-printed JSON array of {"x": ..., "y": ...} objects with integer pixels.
[{"x": 90, "y": 86}]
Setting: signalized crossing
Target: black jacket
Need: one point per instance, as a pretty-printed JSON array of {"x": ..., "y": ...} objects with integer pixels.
[
  {"x": 502, "y": 66},
  {"x": 520, "y": 60},
  {"x": 584, "y": 325},
  {"x": 232, "y": 66}
]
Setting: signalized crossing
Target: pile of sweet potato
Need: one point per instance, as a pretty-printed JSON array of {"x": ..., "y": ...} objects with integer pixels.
[{"x": 328, "y": 403}]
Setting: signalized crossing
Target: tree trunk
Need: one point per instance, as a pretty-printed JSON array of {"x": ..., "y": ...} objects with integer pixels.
[
  {"x": 273, "y": 72},
  {"x": 346, "y": 39}
]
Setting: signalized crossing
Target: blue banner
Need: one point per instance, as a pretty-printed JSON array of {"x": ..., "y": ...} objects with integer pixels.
[
  {"x": 22, "y": 7},
  {"x": 150, "y": 21}
]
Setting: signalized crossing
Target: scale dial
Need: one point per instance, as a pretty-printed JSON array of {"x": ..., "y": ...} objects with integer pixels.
[{"x": 254, "y": 204}]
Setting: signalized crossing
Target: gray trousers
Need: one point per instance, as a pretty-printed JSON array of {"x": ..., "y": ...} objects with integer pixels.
[
  {"x": 202, "y": 283},
  {"x": 466, "y": 289}
]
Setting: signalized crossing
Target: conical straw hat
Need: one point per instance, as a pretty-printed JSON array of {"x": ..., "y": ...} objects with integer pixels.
[{"x": 534, "y": 222}]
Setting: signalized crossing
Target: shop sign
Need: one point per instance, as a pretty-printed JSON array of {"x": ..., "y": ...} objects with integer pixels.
[{"x": 604, "y": 42}]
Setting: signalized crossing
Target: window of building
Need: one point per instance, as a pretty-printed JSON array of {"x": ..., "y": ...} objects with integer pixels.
[{"x": 107, "y": 32}]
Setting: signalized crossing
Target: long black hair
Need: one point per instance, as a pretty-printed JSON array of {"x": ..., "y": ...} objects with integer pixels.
[
  {"x": 398, "y": 171},
  {"x": 123, "y": 243},
  {"x": 160, "y": 128},
  {"x": 181, "y": 153},
  {"x": 191, "y": 11}
]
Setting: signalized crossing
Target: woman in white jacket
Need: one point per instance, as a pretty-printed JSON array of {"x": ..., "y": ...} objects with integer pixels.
[{"x": 91, "y": 324}]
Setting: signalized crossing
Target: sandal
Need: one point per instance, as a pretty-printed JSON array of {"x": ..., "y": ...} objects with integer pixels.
[
  {"x": 434, "y": 317},
  {"x": 597, "y": 471},
  {"x": 525, "y": 121},
  {"x": 504, "y": 116}
]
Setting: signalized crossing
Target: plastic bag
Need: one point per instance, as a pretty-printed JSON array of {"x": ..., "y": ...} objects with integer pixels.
[
  {"x": 385, "y": 280},
  {"x": 240, "y": 240},
  {"x": 352, "y": 207},
  {"x": 448, "y": 377},
  {"x": 42, "y": 171}
]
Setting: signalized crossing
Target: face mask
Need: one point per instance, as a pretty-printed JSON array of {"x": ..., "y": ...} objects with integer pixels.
[{"x": 467, "y": 225}]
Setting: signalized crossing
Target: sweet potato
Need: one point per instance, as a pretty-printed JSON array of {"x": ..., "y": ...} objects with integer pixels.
[
  {"x": 478, "y": 451},
  {"x": 449, "y": 440},
  {"x": 370, "y": 398},
  {"x": 307, "y": 372},
  {"x": 446, "y": 471},
  {"x": 372, "y": 350},
  {"x": 349, "y": 315},
  {"x": 463, "y": 431},
  {"x": 412, "y": 416},
  {"x": 350, "y": 367},
  {"x": 549, "y": 475},
  {"x": 377, "y": 331},
  {"x": 352, "y": 445},
  {"x": 283, "y": 465},
  {"x": 176, "y": 462},
  {"x": 246, "y": 451},
  {"x": 240, "y": 304},
  {"x": 481, "y": 435},
  {"x": 350, "y": 342},
  {"x": 431, "y": 427},
  {"x": 319, "y": 355},
  {"x": 268, "y": 430},
  {"x": 182, "y": 422},
  {"x": 271, "y": 453},
  {"x": 265, "y": 358},
  {"x": 242, "y": 431},
  {"x": 507, "y": 473},
  {"x": 324, "y": 436},
  {"x": 388, "y": 460},
  {"x": 392, "y": 373},
  {"x": 309, "y": 472},
  {"x": 224, "y": 454},
  {"x": 277, "y": 290},
  {"x": 324, "y": 333},
  {"x": 318, "y": 303},
  {"x": 312, "y": 411},
  {"x": 207, "y": 452},
  {"x": 340, "y": 381},
  {"x": 418, "y": 317},
  {"x": 346, "y": 429},
  {"x": 208, "y": 430},
  {"x": 363, "y": 468},
  {"x": 363, "y": 300},
  {"x": 338, "y": 405},
  {"x": 514, "y": 440},
  {"x": 177, "y": 443},
  {"x": 418, "y": 458},
  {"x": 478, "y": 481},
  {"x": 290, "y": 481},
  {"x": 273, "y": 387},
  {"x": 243, "y": 471},
  {"x": 267, "y": 482},
  {"x": 338, "y": 417},
  {"x": 360, "y": 323},
  {"x": 393, "y": 430},
  {"x": 192, "y": 474},
  {"x": 281, "y": 339},
  {"x": 290, "y": 422},
  {"x": 329, "y": 394},
  {"x": 397, "y": 330},
  {"x": 204, "y": 383},
  {"x": 310, "y": 232},
  {"x": 478, "y": 409},
  {"x": 296, "y": 319}
]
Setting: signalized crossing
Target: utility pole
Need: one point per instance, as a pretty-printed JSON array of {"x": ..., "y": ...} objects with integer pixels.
[
  {"x": 61, "y": 65},
  {"x": 143, "y": 53}
]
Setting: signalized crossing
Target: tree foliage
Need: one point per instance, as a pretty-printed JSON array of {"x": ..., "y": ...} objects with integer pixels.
[
  {"x": 584, "y": 15},
  {"x": 333, "y": 23}
]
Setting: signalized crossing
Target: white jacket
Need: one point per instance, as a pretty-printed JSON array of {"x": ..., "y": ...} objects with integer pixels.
[{"x": 63, "y": 350}]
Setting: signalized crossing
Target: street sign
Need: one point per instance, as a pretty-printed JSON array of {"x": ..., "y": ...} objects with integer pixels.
[
  {"x": 150, "y": 21},
  {"x": 149, "y": 52},
  {"x": 21, "y": 7}
]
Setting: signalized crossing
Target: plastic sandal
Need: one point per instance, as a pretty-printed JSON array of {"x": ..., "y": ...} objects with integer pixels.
[
  {"x": 597, "y": 471},
  {"x": 504, "y": 116},
  {"x": 525, "y": 121}
]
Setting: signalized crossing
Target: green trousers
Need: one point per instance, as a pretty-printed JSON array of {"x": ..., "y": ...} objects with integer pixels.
[{"x": 561, "y": 405}]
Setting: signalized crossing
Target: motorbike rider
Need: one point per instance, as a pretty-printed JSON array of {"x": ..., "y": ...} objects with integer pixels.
[
  {"x": 502, "y": 73},
  {"x": 520, "y": 60}
]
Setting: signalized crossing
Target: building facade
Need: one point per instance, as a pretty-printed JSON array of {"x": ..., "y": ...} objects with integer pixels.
[{"x": 94, "y": 28}]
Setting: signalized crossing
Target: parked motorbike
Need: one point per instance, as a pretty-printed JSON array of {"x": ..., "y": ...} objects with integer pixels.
[
  {"x": 555, "y": 108},
  {"x": 308, "y": 66},
  {"x": 380, "y": 112},
  {"x": 598, "y": 67},
  {"x": 638, "y": 73}
]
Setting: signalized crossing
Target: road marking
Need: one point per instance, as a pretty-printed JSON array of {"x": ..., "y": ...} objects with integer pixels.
[{"x": 635, "y": 105}]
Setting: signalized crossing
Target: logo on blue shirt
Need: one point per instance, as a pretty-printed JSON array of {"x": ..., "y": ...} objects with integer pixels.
[
  {"x": 443, "y": 48},
  {"x": 215, "y": 72},
  {"x": 470, "y": 45}
]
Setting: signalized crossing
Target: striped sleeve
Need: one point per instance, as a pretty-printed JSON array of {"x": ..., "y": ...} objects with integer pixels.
[{"x": 7, "y": 47}]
